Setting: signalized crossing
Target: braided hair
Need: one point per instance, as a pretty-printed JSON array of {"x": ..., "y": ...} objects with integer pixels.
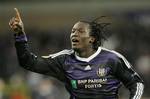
[{"x": 98, "y": 31}]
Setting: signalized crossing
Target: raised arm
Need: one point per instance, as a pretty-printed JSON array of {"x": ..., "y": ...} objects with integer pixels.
[{"x": 26, "y": 58}]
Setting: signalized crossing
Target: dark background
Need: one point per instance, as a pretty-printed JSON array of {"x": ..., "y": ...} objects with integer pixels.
[{"x": 48, "y": 24}]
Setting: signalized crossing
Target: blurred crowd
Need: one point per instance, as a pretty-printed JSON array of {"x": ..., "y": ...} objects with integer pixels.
[{"x": 130, "y": 36}]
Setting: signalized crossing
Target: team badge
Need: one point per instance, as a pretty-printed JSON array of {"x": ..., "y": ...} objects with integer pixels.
[{"x": 101, "y": 72}]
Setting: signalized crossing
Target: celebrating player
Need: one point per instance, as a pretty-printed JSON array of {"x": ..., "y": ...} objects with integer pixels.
[{"x": 88, "y": 70}]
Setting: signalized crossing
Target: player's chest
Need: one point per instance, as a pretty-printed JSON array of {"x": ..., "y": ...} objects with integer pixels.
[
  {"x": 88, "y": 70},
  {"x": 88, "y": 75}
]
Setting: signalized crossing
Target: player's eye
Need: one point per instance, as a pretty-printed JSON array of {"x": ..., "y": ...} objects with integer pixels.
[
  {"x": 81, "y": 31},
  {"x": 73, "y": 30}
]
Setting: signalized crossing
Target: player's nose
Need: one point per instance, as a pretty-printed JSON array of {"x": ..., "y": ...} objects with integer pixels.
[{"x": 76, "y": 33}]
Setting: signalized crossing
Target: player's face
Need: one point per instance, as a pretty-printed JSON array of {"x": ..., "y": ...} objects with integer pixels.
[{"x": 80, "y": 36}]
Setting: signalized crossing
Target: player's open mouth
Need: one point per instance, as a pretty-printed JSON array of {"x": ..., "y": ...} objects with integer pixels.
[{"x": 74, "y": 40}]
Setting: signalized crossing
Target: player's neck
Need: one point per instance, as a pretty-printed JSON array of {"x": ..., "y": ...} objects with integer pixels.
[{"x": 85, "y": 53}]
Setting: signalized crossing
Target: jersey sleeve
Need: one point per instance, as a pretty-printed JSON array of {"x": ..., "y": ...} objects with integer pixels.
[
  {"x": 29, "y": 61},
  {"x": 130, "y": 78}
]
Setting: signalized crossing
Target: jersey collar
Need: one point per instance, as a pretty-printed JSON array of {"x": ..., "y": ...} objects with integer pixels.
[{"x": 90, "y": 57}]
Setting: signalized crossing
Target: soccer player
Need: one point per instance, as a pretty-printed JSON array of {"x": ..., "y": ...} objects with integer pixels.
[{"x": 88, "y": 70}]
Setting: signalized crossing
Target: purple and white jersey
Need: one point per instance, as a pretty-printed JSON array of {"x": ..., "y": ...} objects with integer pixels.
[{"x": 96, "y": 77}]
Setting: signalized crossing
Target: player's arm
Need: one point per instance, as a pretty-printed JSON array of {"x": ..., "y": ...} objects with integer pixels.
[
  {"x": 129, "y": 78},
  {"x": 27, "y": 59}
]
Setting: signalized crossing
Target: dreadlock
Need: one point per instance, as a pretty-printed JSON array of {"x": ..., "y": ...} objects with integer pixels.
[{"x": 97, "y": 31}]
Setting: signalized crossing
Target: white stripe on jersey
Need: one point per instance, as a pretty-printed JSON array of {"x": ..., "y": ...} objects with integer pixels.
[
  {"x": 140, "y": 86},
  {"x": 139, "y": 91},
  {"x": 59, "y": 53},
  {"x": 119, "y": 55}
]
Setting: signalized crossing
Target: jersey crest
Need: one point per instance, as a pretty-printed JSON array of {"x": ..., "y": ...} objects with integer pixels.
[{"x": 101, "y": 72}]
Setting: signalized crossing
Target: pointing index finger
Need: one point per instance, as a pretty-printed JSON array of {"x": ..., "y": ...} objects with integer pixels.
[{"x": 17, "y": 14}]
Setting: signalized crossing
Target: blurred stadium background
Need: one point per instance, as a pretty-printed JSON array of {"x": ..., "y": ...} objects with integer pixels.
[{"x": 48, "y": 24}]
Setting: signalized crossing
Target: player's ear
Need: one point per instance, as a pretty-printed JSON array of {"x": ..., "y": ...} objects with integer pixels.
[{"x": 92, "y": 39}]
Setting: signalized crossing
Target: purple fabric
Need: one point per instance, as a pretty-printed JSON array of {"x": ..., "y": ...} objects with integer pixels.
[{"x": 21, "y": 38}]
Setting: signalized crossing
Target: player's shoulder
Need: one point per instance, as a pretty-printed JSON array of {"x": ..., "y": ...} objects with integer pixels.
[
  {"x": 117, "y": 56},
  {"x": 60, "y": 53},
  {"x": 112, "y": 53}
]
